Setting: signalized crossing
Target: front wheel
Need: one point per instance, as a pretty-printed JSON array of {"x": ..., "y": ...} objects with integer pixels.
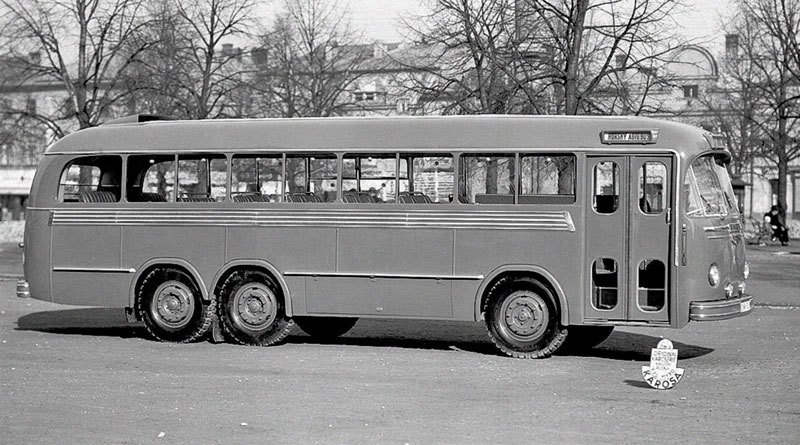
[
  {"x": 522, "y": 318},
  {"x": 251, "y": 309}
]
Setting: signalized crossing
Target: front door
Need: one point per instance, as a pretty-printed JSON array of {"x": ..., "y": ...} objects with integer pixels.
[{"x": 628, "y": 238}]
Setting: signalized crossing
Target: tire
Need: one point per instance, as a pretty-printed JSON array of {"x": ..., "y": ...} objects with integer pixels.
[
  {"x": 583, "y": 338},
  {"x": 522, "y": 318},
  {"x": 325, "y": 328},
  {"x": 172, "y": 308},
  {"x": 251, "y": 310}
]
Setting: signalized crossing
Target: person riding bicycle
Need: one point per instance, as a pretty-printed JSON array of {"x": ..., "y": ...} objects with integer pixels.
[{"x": 773, "y": 220}]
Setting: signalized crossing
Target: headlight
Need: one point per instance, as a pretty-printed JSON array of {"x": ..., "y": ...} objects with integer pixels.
[
  {"x": 713, "y": 275},
  {"x": 746, "y": 270}
]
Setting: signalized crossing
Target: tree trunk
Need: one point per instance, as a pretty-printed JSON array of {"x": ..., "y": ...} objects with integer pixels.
[{"x": 571, "y": 99}]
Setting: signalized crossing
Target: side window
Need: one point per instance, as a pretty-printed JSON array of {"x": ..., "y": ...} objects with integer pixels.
[
  {"x": 430, "y": 179},
  {"x": 310, "y": 178},
  {"x": 606, "y": 187},
  {"x": 370, "y": 178},
  {"x": 486, "y": 179},
  {"x": 547, "y": 179},
  {"x": 202, "y": 178},
  {"x": 151, "y": 178},
  {"x": 91, "y": 179},
  {"x": 652, "y": 178},
  {"x": 257, "y": 178}
]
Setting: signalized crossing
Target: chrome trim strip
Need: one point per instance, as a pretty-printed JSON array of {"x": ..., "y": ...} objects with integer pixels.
[
  {"x": 559, "y": 221},
  {"x": 382, "y": 275},
  {"x": 93, "y": 269}
]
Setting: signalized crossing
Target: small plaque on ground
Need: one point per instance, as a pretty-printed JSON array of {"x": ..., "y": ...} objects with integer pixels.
[{"x": 663, "y": 372}]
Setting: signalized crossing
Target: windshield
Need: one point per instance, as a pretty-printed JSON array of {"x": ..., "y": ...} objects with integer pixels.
[{"x": 709, "y": 188}]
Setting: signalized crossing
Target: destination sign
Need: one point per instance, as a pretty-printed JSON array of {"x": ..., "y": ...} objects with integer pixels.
[{"x": 629, "y": 137}]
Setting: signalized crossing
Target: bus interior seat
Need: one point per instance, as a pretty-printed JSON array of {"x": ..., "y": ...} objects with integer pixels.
[
  {"x": 415, "y": 198},
  {"x": 251, "y": 197},
  {"x": 303, "y": 197},
  {"x": 98, "y": 196},
  {"x": 493, "y": 198},
  {"x": 195, "y": 199},
  {"x": 136, "y": 196},
  {"x": 354, "y": 197}
]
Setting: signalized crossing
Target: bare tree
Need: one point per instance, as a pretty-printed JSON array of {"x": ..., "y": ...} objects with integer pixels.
[
  {"x": 475, "y": 62},
  {"x": 210, "y": 72},
  {"x": 768, "y": 39},
  {"x": 79, "y": 45},
  {"x": 735, "y": 105},
  {"x": 545, "y": 56},
  {"x": 193, "y": 68},
  {"x": 154, "y": 78},
  {"x": 310, "y": 59}
]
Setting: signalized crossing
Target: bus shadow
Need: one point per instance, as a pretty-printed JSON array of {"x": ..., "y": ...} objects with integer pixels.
[
  {"x": 632, "y": 346},
  {"x": 406, "y": 334},
  {"x": 403, "y": 343},
  {"x": 471, "y": 337},
  {"x": 101, "y": 322}
]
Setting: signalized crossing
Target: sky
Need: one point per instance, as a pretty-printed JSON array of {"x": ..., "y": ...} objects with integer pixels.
[{"x": 379, "y": 19}]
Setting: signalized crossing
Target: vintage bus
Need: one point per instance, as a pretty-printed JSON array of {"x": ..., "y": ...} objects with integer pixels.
[{"x": 550, "y": 230}]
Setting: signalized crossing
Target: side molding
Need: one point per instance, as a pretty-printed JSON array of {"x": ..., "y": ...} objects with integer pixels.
[{"x": 562, "y": 300}]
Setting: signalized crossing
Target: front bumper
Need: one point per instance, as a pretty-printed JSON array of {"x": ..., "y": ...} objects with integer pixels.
[
  {"x": 23, "y": 289},
  {"x": 720, "y": 309}
]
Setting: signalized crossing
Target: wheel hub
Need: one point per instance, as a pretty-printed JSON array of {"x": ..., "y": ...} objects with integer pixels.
[
  {"x": 525, "y": 316},
  {"x": 254, "y": 306},
  {"x": 173, "y": 305}
]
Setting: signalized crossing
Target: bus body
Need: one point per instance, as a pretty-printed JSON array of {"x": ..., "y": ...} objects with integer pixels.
[{"x": 552, "y": 230}]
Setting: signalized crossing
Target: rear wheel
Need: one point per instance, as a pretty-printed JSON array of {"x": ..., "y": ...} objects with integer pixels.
[
  {"x": 251, "y": 309},
  {"x": 522, "y": 318},
  {"x": 583, "y": 338},
  {"x": 325, "y": 328},
  {"x": 172, "y": 308}
]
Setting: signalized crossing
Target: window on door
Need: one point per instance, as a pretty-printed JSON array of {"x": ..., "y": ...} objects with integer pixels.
[{"x": 606, "y": 187}]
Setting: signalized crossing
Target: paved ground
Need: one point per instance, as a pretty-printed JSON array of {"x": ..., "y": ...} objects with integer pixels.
[{"x": 82, "y": 375}]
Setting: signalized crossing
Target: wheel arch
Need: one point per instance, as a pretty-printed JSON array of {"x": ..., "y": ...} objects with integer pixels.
[
  {"x": 254, "y": 263},
  {"x": 177, "y": 263},
  {"x": 530, "y": 270}
]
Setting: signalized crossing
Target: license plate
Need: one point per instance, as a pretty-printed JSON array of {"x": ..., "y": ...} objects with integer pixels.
[{"x": 745, "y": 306}]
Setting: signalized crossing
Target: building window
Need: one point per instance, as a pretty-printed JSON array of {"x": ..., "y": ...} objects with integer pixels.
[
  {"x": 690, "y": 91},
  {"x": 620, "y": 60},
  {"x": 365, "y": 96},
  {"x": 731, "y": 45},
  {"x": 30, "y": 106}
]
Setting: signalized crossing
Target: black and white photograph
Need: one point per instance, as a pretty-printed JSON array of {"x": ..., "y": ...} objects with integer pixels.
[{"x": 399, "y": 221}]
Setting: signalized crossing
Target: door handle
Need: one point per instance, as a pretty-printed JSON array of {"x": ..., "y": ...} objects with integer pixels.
[{"x": 683, "y": 245}]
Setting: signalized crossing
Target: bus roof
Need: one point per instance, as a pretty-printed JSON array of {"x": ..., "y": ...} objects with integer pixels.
[{"x": 428, "y": 133}]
